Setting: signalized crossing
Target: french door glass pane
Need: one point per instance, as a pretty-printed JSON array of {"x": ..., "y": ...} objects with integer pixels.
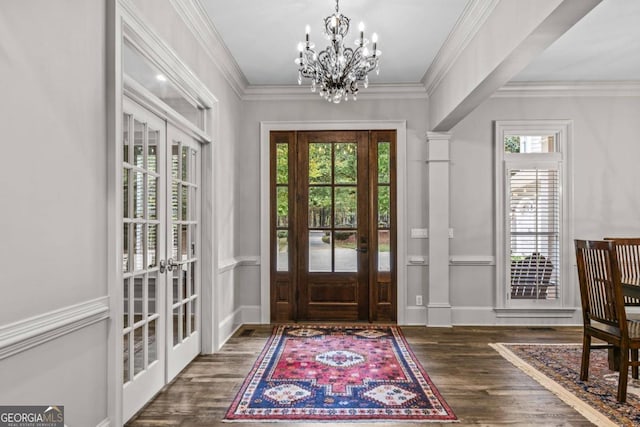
[
  {"x": 282, "y": 163},
  {"x": 176, "y": 325},
  {"x": 137, "y": 299},
  {"x": 152, "y": 151},
  {"x": 126, "y": 265},
  {"x": 174, "y": 241},
  {"x": 346, "y": 257},
  {"x": 320, "y": 163},
  {"x": 319, "y": 207},
  {"x": 193, "y": 323},
  {"x": 185, "y": 202},
  {"x": 175, "y": 200},
  {"x": 184, "y": 279},
  {"x": 152, "y": 197},
  {"x": 138, "y": 144},
  {"x": 176, "y": 285},
  {"x": 282, "y": 243},
  {"x": 138, "y": 350},
  {"x": 175, "y": 161},
  {"x": 185, "y": 333},
  {"x": 125, "y": 306},
  {"x": 184, "y": 243},
  {"x": 125, "y": 137},
  {"x": 152, "y": 245},
  {"x": 138, "y": 239},
  {"x": 319, "y": 250},
  {"x": 384, "y": 254},
  {"x": 192, "y": 276},
  {"x": 138, "y": 194},
  {"x": 186, "y": 163},
  {"x": 152, "y": 289},
  {"x": 346, "y": 207},
  {"x": 346, "y": 163},
  {"x": 126, "y": 373},
  {"x": 153, "y": 341},
  {"x": 125, "y": 193}
]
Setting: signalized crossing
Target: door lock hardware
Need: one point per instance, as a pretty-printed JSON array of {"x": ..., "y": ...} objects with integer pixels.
[{"x": 169, "y": 265}]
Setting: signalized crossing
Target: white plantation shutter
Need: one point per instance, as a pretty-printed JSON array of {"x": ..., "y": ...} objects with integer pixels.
[{"x": 533, "y": 230}]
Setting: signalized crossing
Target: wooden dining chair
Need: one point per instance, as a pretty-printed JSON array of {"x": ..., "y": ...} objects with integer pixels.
[
  {"x": 603, "y": 310},
  {"x": 628, "y": 251}
]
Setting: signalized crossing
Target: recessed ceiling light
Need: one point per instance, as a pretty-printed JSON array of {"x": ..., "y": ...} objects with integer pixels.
[{"x": 161, "y": 78}]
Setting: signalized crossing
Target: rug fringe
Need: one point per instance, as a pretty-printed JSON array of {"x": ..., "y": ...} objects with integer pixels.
[{"x": 586, "y": 410}]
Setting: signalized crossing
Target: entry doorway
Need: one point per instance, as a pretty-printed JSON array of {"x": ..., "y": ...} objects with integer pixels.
[{"x": 333, "y": 225}]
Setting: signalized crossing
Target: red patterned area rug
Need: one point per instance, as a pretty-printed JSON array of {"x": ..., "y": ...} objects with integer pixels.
[
  {"x": 338, "y": 373},
  {"x": 557, "y": 367}
]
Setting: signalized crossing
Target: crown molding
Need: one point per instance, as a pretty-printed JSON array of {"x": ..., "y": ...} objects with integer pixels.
[
  {"x": 568, "y": 89},
  {"x": 198, "y": 21},
  {"x": 300, "y": 93},
  {"x": 472, "y": 18}
]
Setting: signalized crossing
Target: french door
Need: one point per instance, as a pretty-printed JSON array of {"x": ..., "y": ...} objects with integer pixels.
[
  {"x": 333, "y": 225},
  {"x": 161, "y": 281}
]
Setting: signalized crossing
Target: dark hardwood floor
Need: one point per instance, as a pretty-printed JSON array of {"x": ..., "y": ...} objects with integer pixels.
[{"x": 480, "y": 386}]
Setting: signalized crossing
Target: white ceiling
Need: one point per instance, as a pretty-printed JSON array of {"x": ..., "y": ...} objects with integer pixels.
[{"x": 262, "y": 37}]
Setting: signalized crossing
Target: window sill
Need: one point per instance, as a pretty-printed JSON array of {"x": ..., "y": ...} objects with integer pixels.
[{"x": 536, "y": 312}]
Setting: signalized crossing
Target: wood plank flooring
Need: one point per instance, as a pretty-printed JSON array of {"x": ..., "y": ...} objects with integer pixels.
[{"x": 480, "y": 386}]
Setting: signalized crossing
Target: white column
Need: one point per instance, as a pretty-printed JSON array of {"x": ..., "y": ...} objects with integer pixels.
[{"x": 439, "y": 307}]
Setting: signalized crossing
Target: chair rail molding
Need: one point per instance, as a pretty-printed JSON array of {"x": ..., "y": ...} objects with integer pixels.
[{"x": 25, "y": 334}]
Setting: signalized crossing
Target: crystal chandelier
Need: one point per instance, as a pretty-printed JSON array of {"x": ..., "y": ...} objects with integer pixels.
[{"x": 337, "y": 70}]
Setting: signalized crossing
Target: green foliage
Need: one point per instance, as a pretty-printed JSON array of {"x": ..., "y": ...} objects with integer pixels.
[{"x": 512, "y": 144}]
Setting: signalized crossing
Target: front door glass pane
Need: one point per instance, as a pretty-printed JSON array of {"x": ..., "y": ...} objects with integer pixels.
[
  {"x": 346, "y": 256},
  {"x": 319, "y": 251},
  {"x": 346, "y": 164},
  {"x": 282, "y": 243},
  {"x": 346, "y": 207},
  {"x": 320, "y": 163},
  {"x": 320, "y": 207},
  {"x": 384, "y": 252}
]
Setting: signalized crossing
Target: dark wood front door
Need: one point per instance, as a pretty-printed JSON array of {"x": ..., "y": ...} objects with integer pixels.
[{"x": 333, "y": 225}]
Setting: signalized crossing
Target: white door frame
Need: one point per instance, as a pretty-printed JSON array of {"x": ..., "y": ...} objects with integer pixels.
[
  {"x": 124, "y": 21},
  {"x": 400, "y": 126}
]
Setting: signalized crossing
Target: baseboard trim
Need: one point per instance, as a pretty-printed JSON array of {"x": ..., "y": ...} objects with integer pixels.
[
  {"x": 104, "y": 423},
  {"x": 415, "y": 315},
  {"x": 246, "y": 314},
  {"x": 25, "y": 334}
]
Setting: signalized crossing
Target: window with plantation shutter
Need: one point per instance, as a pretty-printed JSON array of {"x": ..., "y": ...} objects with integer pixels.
[
  {"x": 533, "y": 232},
  {"x": 532, "y": 241}
]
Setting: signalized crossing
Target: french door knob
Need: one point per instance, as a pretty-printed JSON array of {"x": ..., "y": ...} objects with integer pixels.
[{"x": 168, "y": 265}]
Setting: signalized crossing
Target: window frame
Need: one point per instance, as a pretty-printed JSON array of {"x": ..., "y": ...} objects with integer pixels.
[{"x": 559, "y": 159}]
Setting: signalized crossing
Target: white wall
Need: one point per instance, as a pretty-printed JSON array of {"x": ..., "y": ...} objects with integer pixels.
[
  {"x": 247, "y": 230},
  {"x": 606, "y": 179},
  {"x": 53, "y": 195}
]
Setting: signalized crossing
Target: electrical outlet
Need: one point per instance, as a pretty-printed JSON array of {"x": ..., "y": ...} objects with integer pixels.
[
  {"x": 451, "y": 233},
  {"x": 418, "y": 299}
]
